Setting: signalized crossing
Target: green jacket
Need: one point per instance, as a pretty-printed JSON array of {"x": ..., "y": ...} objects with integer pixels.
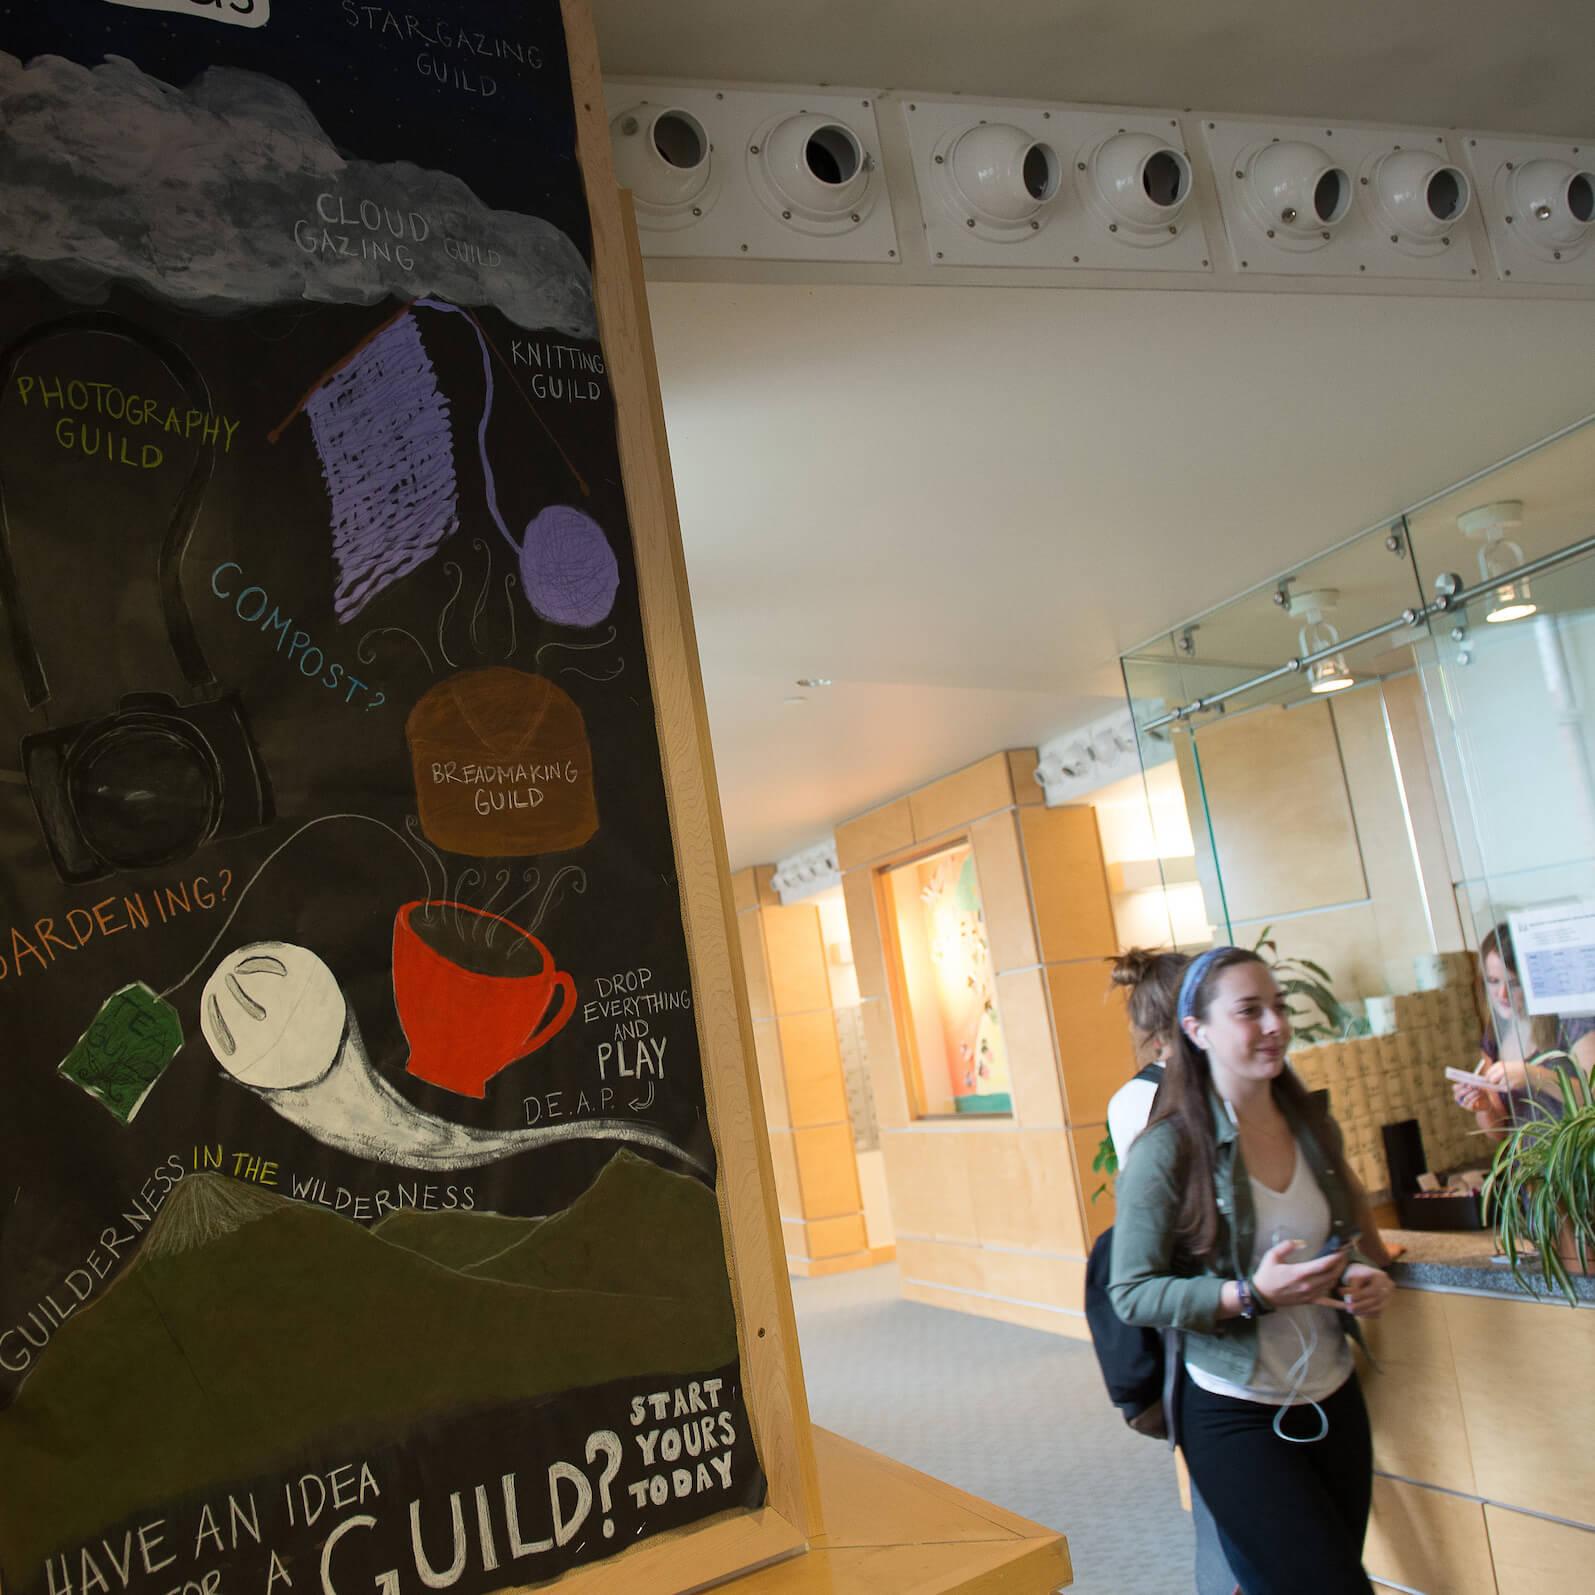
[{"x": 1153, "y": 1288}]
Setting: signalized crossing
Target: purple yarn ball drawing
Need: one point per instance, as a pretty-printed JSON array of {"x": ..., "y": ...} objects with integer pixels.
[
  {"x": 383, "y": 432},
  {"x": 568, "y": 570}
]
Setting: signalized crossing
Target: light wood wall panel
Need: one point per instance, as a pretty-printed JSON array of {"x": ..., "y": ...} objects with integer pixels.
[
  {"x": 1022, "y": 764},
  {"x": 1032, "y": 1057},
  {"x": 756, "y": 972},
  {"x": 788, "y": 1191},
  {"x": 1276, "y": 790},
  {"x": 864, "y": 931},
  {"x": 1024, "y": 1191},
  {"x": 837, "y": 1237},
  {"x": 812, "y": 1063},
  {"x": 1068, "y": 883},
  {"x": 744, "y": 890},
  {"x": 772, "y": 1078},
  {"x": 885, "y": 1065},
  {"x": 965, "y": 795},
  {"x": 1529, "y": 1403},
  {"x": 1093, "y": 1031},
  {"x": 1004, "y": 894},
  {"x": 870, "y": 836},
  {"x": 795, "y": 947},
  {"x": 1428, "y": 1541},
  {"x": 826, "y": 1171},
  {"x": 1373, "y": 781},
  {"x": 928, "y": 1172},
  {"x": 1346, "y": 941},
  {"x": 1419, "y": 1430},
  {"x": 1536, "y": 1557}
]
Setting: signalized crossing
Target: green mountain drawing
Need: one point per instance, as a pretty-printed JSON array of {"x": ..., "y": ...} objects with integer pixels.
[
  {"x": 455, "y": 1239},
  {"x": 253, "y": 1330}
]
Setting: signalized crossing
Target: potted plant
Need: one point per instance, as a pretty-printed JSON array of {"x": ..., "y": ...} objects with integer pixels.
[{"x": 1541, "y": 1189}]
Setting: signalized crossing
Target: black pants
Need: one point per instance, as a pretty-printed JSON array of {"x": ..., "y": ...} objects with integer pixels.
[{"x": 1291, "y": 1517}]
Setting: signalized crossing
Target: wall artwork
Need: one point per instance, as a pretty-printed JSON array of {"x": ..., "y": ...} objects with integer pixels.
[{"x": 358, "y": 1219}]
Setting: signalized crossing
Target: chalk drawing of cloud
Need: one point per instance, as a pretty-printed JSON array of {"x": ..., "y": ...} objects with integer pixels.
[{"x": 228, "y": 195}]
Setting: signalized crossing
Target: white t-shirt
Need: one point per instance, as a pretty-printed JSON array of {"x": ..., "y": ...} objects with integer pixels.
[
  {"x": 1299, "y": 1212},
  {"x": 1128, "y": 1110}
]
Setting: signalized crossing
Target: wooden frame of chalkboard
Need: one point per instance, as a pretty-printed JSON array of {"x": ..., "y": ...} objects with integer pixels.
[{"x": 767, "y": 1332}]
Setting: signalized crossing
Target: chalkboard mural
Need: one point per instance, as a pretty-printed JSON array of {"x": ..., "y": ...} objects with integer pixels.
[{"x": 358, "y": 1228}]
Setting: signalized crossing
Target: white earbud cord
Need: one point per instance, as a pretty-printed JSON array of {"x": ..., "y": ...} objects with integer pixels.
[{"x": 1298, "y": 1378}]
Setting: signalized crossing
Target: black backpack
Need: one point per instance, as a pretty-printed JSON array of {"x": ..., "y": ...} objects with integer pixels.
[{"x": 1133, "y": 1361}]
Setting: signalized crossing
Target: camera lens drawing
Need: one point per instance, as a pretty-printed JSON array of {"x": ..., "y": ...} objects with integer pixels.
[
  {"x": 278, "y": 1023},
  {"x": 147, "y": 785}
]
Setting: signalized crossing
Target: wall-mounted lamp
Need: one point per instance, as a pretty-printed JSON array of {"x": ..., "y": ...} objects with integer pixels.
[
  {"x": 1499, "y": 555},
  {"x": 1316, "y": 634}
]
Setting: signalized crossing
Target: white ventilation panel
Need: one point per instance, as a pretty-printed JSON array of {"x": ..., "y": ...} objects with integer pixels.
[
  {"x": 1054, "y": 187},
  {"x": 743, "y": 174},
  {"x": 1538, "y": 199},
  {"x": 1315, "y": 199}
]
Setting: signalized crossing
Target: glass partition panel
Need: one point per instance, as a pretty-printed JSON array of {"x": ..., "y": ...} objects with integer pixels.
[{"x": 1402, "y": 812}]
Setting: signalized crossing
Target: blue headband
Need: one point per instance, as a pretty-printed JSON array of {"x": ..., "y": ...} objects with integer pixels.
[{"x": 1195, "y": 974}]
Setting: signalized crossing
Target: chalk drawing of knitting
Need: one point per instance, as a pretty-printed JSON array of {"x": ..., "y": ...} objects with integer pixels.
[{"x": 383, "y": 432}]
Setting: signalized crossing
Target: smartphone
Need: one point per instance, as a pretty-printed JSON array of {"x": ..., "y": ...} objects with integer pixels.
[{"x": 1335, "y": 1243}]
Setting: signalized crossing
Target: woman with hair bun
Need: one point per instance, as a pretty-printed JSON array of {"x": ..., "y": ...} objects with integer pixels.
[
  {"x": 1151, "y": 983},
  {"x": 1237, "y": 1223}
]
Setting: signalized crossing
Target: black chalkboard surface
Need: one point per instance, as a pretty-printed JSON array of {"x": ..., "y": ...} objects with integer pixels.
[{"x": 357, "y": 1213}]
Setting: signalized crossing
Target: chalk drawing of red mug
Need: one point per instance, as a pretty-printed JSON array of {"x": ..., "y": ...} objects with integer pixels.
[{"x": 474, "y": 993}]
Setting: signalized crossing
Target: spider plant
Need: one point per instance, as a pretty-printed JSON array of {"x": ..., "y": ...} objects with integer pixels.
[
  {"x": 1300, "y": 979},
  {"x": 1541, "y": 1189}
]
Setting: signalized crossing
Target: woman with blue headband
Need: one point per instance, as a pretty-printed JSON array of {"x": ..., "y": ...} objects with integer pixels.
[{"x": 1236, "y": 1224}]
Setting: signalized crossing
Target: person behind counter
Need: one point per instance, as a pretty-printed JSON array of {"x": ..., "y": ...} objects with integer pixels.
[
  {"x": 1235, "y": 1221},
  {"x": 1513, "y": 1039}
]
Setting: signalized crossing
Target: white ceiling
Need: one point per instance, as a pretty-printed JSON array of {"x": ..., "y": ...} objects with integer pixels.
[
  {"x": 962, "y": 503},
  {"x": 1519, "y": 67}
]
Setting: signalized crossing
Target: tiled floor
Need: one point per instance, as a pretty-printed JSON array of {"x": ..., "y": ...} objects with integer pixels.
[{"x": 1011, "y": 1414}]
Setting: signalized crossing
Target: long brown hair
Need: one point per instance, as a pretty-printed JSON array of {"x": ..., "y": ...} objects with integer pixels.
[
  {"x": 1543, "y": 1030},
  {"x": 1152, "y": 980},
  {"x": 1183, "y": 1099}
]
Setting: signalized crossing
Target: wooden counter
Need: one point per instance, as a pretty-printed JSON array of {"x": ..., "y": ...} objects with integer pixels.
[
  {"x": 1482, "y": 1413},
  {"x": 892, "y": 1531}
]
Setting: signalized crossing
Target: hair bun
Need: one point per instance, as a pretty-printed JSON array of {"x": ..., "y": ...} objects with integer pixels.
[{"x": 1132, "y": 967}]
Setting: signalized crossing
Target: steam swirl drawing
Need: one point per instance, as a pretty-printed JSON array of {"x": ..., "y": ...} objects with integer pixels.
[{"x": 279, "y": 1025}]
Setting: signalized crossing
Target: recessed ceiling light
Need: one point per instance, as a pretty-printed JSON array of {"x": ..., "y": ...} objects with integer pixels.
[
  {"x": 816, "y": 681},
  {"x": 795, "y": 699}
]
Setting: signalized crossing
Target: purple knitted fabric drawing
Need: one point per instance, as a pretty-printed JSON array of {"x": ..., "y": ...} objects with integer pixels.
[{"x": 381, "y": 426}]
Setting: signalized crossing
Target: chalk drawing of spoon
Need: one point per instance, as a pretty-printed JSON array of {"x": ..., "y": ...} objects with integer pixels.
[{"x": 278, "y": 1023}]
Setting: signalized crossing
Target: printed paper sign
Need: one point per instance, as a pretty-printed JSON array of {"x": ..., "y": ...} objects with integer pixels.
[
  {"x": 241, "y": 13},
  {"x": 1556, "y": 957}
]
